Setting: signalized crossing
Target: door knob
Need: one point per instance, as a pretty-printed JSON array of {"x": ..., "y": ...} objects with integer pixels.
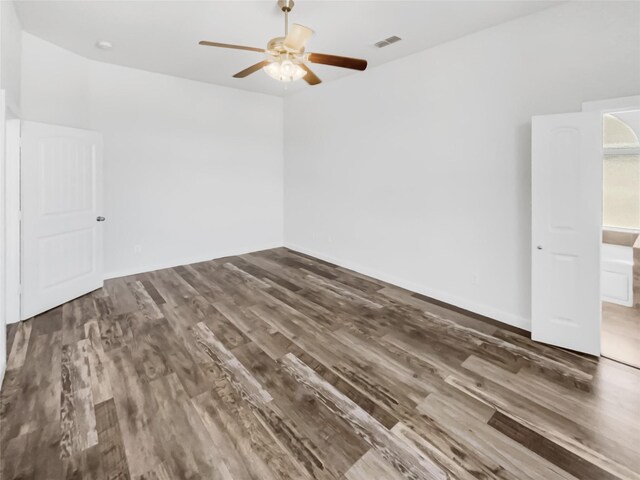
[
  {"x": 100, "y": 219},
  {"x": 539, "y": 247}
]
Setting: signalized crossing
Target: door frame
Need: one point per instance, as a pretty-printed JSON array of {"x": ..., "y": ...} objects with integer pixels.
[
  {"x": 10, "y": 235},
  {"x": 620, "y": 104},
  {"x": 3, "y": 183},
  {"x": 602, "y": 107},
  {"x": 13, "y": 236},
  {"x": 11, "y": 222}
]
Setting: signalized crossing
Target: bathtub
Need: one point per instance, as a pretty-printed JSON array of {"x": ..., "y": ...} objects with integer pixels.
[{"x": 617, "y": 274}]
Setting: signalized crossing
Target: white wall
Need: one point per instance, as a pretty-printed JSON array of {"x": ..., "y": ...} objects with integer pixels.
[
  {"x": 10, "y": 56},
  {"x": 55, "y": 84},
  {"x": 192, "y": 171},
  {"x": 418, "y": 171}
]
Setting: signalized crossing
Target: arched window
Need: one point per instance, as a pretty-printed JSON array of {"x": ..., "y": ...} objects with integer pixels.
[{"x": 621, "y": 174}]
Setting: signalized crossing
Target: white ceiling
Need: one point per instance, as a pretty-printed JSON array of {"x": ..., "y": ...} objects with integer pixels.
[{"x": 162, "y": 36}]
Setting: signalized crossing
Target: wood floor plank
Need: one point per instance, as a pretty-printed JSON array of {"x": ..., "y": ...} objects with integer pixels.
[
  {"x": 482, "y": 343},
  {"x": 12, "y": 329},
  {"x": 115, "y": 331},
  {"x": 275, "y": 365},
  {"x": 325, "y": 435},
  {"x": 46, "y": 442},
  {"x": 456, "y": 463},
  {"x": 381, "y": 414},
  {"x": 408, "y": 462},
  {"x": 49, "y": 322},
  {"x": 74, "y": 315},
  {"x": 19, "y": 347},
  {"x": 160, "y": 472},
  {"x": 561, "y": 431},
  {"x": 234, "y": 288},
  {"x": 230, "y": 364},
  {"x": 149, "y": 349},
  {"x": 254, "y": 328},
  {"x": 237, "y": 459},
  {"x": 349, "y": 277},
  {"x": 135, "y": 407},
  {"x": 278, "y": 297},
  {"x": 422, "y": 303},
  {"x": 199, "y": 277},
  {"x": 585, "y": 413},
  {"x": 77, "y": 413},
  {"x": 173, "y": 288},
  {"x": 13, "y": 465},
  {"x": 372, "y": 465},
  {"x": 33, "y": 397},
  {"x": 225, "y": 411},
  {"x": 83, "y": 465},
  {"x": 546, "y": 448},
  {"x": 153, "y": 292},
  {"x": 100, "y": 383},
  {"x": 621, "y": 328},
  {"x": 263, "y": 274},
  {"x": 177, "y": 418},
  {"x": 505, "y": 456},
  {"x": 261, "y": 403},
  {"x": 146, "y": 304},
  {"x": 113, "y": 458}
]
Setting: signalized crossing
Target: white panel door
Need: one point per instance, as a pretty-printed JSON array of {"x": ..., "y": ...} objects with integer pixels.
[
  {"x": 566, "y": 230},
  {"x": 61, "y": 208}
]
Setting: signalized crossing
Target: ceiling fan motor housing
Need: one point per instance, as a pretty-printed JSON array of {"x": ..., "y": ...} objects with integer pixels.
[
  {"x": 286, "y": 5},
  {"x": 276, "y": 46}
]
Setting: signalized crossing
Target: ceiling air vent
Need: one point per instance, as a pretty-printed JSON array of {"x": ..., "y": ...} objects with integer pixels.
[{"x": 387, "y": 41}]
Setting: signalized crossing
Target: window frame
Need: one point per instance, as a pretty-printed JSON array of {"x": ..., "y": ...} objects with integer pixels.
[
  {"x": 612, "y": 105},
  {"x": 617, "y": 152}
]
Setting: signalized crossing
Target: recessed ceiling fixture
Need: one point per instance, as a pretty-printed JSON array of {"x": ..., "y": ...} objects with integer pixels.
[
  {"x": 104, "y": 45},
  {"x": 387, "y": 41},
  {"x": 286, "y": 55}
]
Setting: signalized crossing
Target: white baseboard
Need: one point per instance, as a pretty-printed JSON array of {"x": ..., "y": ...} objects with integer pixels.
[
  {"x": 187, "y": 260},
  {"x": 485, "y": 310}
]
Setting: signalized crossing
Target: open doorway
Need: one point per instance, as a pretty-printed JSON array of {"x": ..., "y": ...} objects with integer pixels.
[{"x": 620, "y": 254}]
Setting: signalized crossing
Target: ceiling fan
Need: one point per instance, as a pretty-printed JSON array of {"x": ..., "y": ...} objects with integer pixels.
[{"x": 285, "y": 56}]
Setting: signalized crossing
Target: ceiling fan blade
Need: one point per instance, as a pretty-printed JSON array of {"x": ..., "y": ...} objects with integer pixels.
[
  {"x": 297, "y": 37},
  {"x": 228, "y": 45},
  {"x": 311, "y": 78},
  {"x": 337, "y": 61},
  {"x": 252, "y": 69}
]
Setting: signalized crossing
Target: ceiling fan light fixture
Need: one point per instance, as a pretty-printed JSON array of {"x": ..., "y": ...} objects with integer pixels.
[{"x": 284, "y": 70}]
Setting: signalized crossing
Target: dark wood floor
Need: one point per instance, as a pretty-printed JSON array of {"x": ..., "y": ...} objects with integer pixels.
[{"x": 274, "y": 365}]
